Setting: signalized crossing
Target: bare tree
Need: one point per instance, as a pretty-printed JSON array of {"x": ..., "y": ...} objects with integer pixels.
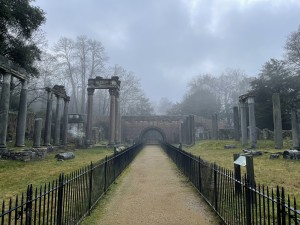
[
  {"x": 292, "y": 47},
  {"x": 81, "y": 59},
  {"x": 64, "y": 52}
]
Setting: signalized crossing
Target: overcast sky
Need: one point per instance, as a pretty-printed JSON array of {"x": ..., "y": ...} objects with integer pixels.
[{"x": 167, "y": 42}]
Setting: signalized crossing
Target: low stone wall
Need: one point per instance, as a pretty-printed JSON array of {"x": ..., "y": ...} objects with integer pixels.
[{"x": 25, "y": 155}]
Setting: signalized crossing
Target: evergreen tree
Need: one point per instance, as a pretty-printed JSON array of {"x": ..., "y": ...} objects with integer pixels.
[{"x": 18, "y": 22}]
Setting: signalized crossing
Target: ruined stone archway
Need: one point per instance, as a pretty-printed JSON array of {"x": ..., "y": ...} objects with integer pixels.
[{"x": 152, "y": 134}]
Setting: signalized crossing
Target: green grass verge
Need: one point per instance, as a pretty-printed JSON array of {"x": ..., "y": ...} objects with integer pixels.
[
  {"x": 268, "y": 172},
  {"x": 16, "y": 175}
]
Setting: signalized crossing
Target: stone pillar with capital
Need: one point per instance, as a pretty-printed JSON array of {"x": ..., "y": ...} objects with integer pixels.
[
  {"x": 252, "y": 123},
  {"x": 118, "y": 118},
  {"x": 112, "y": 93},
  {"x": 48, "y": 120},
  {"x": 89, "y": 123},
  {"x": 22, "y": 114},
  {"x": 4, "y": 107},
  {"x": 57, "y": 122},
  {"x": 65, "y": 122}
]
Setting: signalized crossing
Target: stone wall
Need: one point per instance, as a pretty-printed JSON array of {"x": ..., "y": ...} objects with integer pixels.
[
  {"x": 133, "y": 126},
  {"x": 25, "y": 155}
]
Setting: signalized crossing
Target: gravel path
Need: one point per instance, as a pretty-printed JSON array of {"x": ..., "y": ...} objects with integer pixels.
[{"x": 154, "y": 192}]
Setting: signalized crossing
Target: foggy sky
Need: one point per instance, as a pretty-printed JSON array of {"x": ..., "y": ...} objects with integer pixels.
[{"x": 167, "y": 42}]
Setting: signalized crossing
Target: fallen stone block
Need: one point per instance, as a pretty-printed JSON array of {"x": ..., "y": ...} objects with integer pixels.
[
  {"x": 252, "y": 152},
  {"x": 65, "y": 156}
]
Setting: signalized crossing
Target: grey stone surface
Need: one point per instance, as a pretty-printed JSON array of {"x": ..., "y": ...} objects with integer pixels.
[
  {"x": 278, "y": 140},
  {"x": 4, "y": 107},
  {"x": 57, "y": 122},
  {"x": 295, "y": 117},
  {"x": 214, "y": 134},
  {"x": 65, "y": 123},
  {"x": 243, "y": 109},
  {"x": 25, "y": 155},
  {"x": 22, "y": 114},
  {"x": 252, "y": 152},
  {"x": 252, "y": 123},
  {"x": 89, "y": 116},
  {"x": 112, "y": 112},
  {"x": 65, "y": 156},
  {"x": 236, "y": 123},
  {"x": 37, "y": 133},
  {"x": 291, "y": 154},
  {"x": 48, "y": 120}
]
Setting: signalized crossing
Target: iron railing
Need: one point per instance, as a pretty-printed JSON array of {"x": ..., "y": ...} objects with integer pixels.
[
  {"x": 235, "y": 201},
  {"x": 71, "y": 197}
]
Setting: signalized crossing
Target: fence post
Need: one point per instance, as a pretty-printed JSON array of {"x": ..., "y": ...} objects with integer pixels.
[
  {"x": 278, "y": 205},
  {"x": 215, "y": 187},
  {"x": 248, "y": 202},
  {"x": 250, "y": 170},
  {"x": 29, "y": 205},
  {"x": 91, "y": 187},
  {"x": 60, "y": 198},
  {"x": 237, "y": 174},
  {"x": 283, "y": 206},
  {"x": 199, "y": 175},
  {"x": 105, "y": 174}
]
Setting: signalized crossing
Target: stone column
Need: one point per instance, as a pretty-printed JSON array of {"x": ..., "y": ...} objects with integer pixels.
[
  {"x": 252, "y": 123},
  {"x": 48, "y": 120},
  {"x": 295, "y": 128},
  {"x": 277, "y": 121},
  {"x": 236, "y": 123},
  {"x": 214, "y": 121},
  {"x": 89, "y": 123},
  {"x": 180, "y": 131},
  {"x": 65, "y": 122},
  {"x": 57, "y": 122},
  {"x": 243, "y": 110},
  {"x": 37, "y": 132},
  {"x": 112, "y": 93},
  {"x": 22, "y": 115},
  {"x": 192, "y": 129},
  {"x": 4, "y": 107},
  {"x": 118, "y": 119}
]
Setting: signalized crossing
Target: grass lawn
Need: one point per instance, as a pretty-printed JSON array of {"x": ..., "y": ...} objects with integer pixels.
[
  {"x": 16, "y": 175},
  {"x": 268, "y": 172}
]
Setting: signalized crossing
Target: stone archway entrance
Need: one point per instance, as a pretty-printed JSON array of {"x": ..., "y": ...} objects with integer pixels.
[{"x": 152, "y": 135}]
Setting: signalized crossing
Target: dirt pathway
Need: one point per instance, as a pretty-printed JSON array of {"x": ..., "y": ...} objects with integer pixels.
[{"x": 154, "y": 192}]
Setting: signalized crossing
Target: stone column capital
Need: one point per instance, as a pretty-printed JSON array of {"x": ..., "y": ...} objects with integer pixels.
[
  {"x": 24, "y": 84},
  {"x": 114, "y": 92},
  {"x": 57, "y": 97},
  {"x": 67, "y": 99},
  {"x": 90, "y": 91}
]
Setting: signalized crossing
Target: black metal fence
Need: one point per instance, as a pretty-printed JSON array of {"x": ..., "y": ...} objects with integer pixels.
[
  {"x": 235, "y": 201},
  {"x": 71, "y": 197}
]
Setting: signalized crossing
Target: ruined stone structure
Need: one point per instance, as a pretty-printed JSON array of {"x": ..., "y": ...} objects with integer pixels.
[
  {"x": 113, "y": 85},
  {"x": 173, "y": 129},
  {"x": 248, "y": 100},
  {"x": 9, "y": 71},
  {"x": 59, "y": 139}
]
